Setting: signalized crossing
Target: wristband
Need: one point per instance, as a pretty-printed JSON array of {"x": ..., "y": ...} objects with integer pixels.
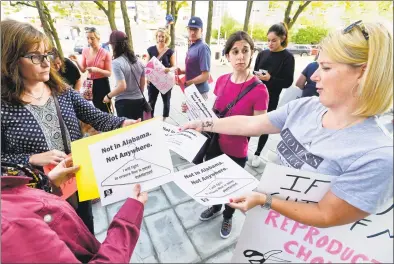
[
  {"x": 109, "y": 97},
  {"x": 268, "y": 202}
]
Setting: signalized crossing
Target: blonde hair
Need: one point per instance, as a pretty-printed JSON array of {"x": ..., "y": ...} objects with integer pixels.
[
  {"x": 166, "y": 35},
  {"x": 94, "y": 32},
  {"x": 375, "y": 91}
]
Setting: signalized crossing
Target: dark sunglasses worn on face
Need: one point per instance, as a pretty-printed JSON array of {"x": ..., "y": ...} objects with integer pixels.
[
  {"x": 38, "y": 58},
  {"x": 359, "y": 24}
]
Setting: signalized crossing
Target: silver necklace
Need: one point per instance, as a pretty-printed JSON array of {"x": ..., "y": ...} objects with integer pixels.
[{"x": 37, "y": 98}]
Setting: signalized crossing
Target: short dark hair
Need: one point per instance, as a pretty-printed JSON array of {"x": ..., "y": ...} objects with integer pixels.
[
  {"x": 280, "y": 30},
  {"x": 237, "y": 36},
  {"x": 123, "y": 47},
  {"x": 56, "y": 55}
]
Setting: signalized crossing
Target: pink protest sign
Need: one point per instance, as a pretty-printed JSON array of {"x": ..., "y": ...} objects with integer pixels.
[{"x": 154, "y": 72}]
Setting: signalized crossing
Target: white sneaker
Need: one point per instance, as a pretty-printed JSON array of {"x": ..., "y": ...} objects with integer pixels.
[{"x": 256, "y": 161}]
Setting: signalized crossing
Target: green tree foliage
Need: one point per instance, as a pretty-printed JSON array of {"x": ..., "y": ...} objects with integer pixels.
[
  {"x": 309, "y": 35},
  {"x": 229, "y": 25},
  {"x": 259, "y": 33}
]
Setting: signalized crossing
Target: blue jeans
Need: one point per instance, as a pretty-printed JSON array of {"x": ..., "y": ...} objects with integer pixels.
[{"x": 153, "y": 93}]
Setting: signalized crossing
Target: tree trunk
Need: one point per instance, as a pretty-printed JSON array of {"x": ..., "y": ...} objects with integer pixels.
[
  {"x": 287, "y": 18},
  {"x": 136, "y": 12},
  {"x": 300, "y": 9},
  {"x": 111, "y": 15},
  {"x": 43, "y": 20},
  {"x": 126, "y": 22},
  {"x": 193, "y": 8},
  {"x": 110, "y": 12},
  {"x": 172, "y": 30},
  {"x": 209, "y": 23},
  {"x": 291, "y": 21},
  {"x": 53, "y": 29},
  {"x": 168, "y": 7},
  {"x": 249, "y": 5}
]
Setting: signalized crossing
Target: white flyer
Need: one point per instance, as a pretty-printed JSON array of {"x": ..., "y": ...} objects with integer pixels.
[
  {"x": 154, "y": 72},
  {"x": 185, "y": 143},
  {"x": 268, "y": 236},
  {"x": 135, "y": 156},
  {"x": 215, "y": 181},
  {"x": 197, "y": 106}
]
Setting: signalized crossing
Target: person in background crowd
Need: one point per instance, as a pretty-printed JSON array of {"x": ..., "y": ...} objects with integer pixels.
[
  {"x": 130, "y": 78},
  {"x": 67, "y": 70},
  {"x": 238, "y": 51},
  {"x": 105, "y": 46},
  {"x": 34, "y": 232},
  {"x": 305, "y": 83},
  {"x": 198, "y": 58},
  {"x": 223, "y": 57},
  {"x": 167, "y": 57},
  {"x": 336, "y": 134},
  {"x": 98, "y": 72},
  {"x": 276, "y": 69},
  {"x": 35, "y": 102}
]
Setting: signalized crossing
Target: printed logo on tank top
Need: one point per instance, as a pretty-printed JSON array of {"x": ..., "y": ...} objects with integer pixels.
[{"x": 293, "y": 154}]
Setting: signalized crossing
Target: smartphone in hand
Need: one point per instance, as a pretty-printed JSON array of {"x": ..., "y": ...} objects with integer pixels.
[
  {"x": 257, "y": 72},
  {"x": 260, "y": 72}
]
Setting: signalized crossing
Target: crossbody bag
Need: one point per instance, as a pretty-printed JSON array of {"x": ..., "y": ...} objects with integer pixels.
[
  {"x": 87, "y": 86},
  {"x": 211, "y": 146}
]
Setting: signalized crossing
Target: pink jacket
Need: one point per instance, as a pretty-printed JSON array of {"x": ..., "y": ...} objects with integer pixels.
[{"x": 38, "y": 227}]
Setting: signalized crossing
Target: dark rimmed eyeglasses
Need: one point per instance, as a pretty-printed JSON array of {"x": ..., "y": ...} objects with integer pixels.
[
  {"x": 38, "y": 58},
  {"x": 360, "y": 25}
]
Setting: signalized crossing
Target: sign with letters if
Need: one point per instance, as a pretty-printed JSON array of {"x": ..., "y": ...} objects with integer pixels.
[{"x": 268, "y": 236}]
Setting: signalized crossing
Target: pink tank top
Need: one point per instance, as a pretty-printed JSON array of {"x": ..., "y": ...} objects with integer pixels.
[{"x": 103, "y": 61}]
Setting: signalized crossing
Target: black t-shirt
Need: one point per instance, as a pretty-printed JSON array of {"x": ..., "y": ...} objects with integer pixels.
[
  {"x": 280, "y": 65},
  {"x": 165, "y": 59},
  {"x": 71, "y": 73}
]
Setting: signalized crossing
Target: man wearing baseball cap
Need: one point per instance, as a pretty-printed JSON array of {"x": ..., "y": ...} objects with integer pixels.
[{"x": 198, "y": 58}]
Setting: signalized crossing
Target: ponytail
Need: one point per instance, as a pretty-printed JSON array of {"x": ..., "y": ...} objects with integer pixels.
[{"x": 280, "y": 30}]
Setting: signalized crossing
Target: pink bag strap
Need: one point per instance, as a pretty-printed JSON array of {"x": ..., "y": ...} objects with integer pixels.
[{"x": 96, "y": 59}]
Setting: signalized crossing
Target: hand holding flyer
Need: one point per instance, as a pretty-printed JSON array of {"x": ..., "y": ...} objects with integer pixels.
[
  {"x": 215, "y": 181},
  {"x": 69, "y": 187},
  {"x": 185, "y": 143},
  {"x": 197, "y": 106},
  {"x": 112, "y": 162},
  {"x": 154, "y": 72}
]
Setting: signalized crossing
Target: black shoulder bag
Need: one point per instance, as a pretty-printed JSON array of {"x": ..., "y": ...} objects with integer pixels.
[
  {"x": 73, "y": 199},
  {"x": 146, "y": 106},
  {"x": 211, "y": 147}
]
